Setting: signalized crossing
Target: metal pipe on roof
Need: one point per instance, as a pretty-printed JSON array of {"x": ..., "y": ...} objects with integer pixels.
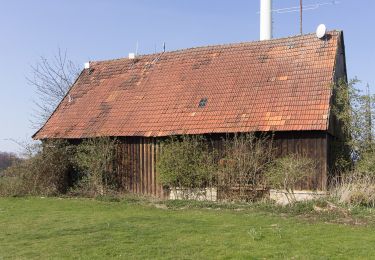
[{"x": 265, "y": 20}]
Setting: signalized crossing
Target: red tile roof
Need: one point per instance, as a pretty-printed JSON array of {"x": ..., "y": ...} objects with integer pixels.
[{"x": 277, "y": 85}]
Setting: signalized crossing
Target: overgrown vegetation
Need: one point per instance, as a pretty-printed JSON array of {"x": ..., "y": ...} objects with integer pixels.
[
  {"x": 353, "y": 117},
  {"x": 187, "y": 166},
  {"x": 45, "y": 171},
  {"x": 240, "y": 174},
  {"x": 94, "y": 161},
  {"x": 355, "y": 189},
  {"x": 354, "y": 150},
  {"x": 57, "y": 167},
  {"x": 287, "y": 172}
]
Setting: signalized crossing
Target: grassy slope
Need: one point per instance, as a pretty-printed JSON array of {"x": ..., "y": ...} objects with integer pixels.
[{"x": 48, "y": 228}]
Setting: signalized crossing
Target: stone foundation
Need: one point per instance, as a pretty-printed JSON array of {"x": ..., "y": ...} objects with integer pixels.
[
  {"x": 280, "y": 196},
  {"x": 207, "y": 194}
]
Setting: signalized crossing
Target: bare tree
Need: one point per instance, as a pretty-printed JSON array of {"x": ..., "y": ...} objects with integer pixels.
[{"x": 52, "y": 79}]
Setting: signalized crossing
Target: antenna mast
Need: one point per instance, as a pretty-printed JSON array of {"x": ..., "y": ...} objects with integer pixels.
[
  {"x": 368, "y": 113},
  {"x": 301, "y": 8},
  {"x": 301, "y": 16},
  {"x": 265, "y": 20}
]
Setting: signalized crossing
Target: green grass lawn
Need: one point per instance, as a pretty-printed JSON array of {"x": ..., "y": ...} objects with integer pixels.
[{"x": 83, "y": 228}]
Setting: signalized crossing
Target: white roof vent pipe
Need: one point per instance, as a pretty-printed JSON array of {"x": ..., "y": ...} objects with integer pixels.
[
  {"x": 87, "y": 65},
  {"x": 265, "y": 20},
  {"x": 131, "y": 56}
]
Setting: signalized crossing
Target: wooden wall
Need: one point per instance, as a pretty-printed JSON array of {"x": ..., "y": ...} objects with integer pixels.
[
  {"x": 137, "y": 158},
  {"x": 313, "y": 145},
  {"x": 137, "y": 165}
]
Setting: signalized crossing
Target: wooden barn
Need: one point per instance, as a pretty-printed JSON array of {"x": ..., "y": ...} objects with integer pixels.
[{"x": 283, "y": 86}]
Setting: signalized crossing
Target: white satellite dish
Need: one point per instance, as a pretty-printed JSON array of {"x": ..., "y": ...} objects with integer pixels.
[{"x": 321, "y": 31}]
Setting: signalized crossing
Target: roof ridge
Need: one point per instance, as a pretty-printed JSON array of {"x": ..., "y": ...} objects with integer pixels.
[{"x": 217, "y": 46}]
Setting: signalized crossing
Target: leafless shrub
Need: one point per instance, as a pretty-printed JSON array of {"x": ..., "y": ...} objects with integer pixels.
[{"x": 241, "y": 170}]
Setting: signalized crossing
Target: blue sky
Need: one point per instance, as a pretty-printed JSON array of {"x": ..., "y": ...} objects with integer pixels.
[{"x": 106, "y": 29}]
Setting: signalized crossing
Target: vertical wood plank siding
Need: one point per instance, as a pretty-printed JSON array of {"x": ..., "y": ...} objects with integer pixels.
[
  {"x": 137, "y": 158},
  {"x": 313, "y": 145}
]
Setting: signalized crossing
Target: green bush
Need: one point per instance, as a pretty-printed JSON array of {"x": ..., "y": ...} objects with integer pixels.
[
  {"x": 366, "y": 164},
  {"x": 286, "y": 172},
  {"x": 47, "y": 171},
  {"x": 56, "y": 167},
  {"x": 187, "y": 164},
  {"x": 94, "y": 160}
]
